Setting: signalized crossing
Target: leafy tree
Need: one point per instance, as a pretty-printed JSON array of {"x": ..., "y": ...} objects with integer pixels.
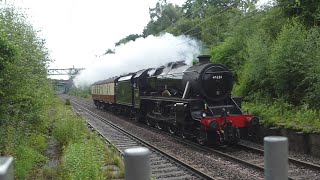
[
  {"x": 24, "y": 88},
  {"x": 255, "y": 76},
  {"x": 307, "y": 10},
  {"x": 290, "y": 63},
  {"x": 261, "y": 46},
  {"x": 163, "y": 16},
  {"x": 218, "y": 24},
  {"x": 185, "y": 25},
  {"x": 232, "y": 51},
  {"x": 187, "y": 8},
  {"x": 312, "y": 97},
  {"x": 110, "y": 51},
  {"x": 131, "y": 37},
  {"x": 271, "y": 21}
]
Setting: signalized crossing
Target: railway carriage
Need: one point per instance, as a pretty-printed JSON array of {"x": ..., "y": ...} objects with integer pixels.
[
  {"x": 189, "y": 101},
  {"x": 103, "y": 92}
]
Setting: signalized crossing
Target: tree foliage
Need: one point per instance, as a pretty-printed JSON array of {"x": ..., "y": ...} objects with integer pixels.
[
  {"x": 163, "y": 16},
  {"x": 131, "y": 37},
  {"x": 24, "y": 91},
  {"x": 273, "y": 51},
  {"x": 23, "y": 66},
  {"x": 306, "y": 10},
  {"x": 110, "y": 51},
  {"x": 290, "y": 62}
]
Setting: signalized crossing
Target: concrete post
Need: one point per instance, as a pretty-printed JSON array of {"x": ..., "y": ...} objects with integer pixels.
[
  {"x": 6, "y": 168},
  {"x": 137, "y": 163},
  {"x": 275, "y": 158}
]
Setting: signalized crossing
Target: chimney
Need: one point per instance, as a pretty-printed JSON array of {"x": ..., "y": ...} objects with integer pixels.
[{"x": 204, "y": 59}]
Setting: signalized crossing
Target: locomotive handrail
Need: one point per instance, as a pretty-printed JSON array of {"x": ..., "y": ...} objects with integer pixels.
[
  {"x": 174, "y": 73},
  {"x": 222, "y": 106},
  {"x": 217, "y": 72},
  {"x": 186, "y": 90},
  {"x": 167, "y": 99},
  {"x": 191, "y": 71},
  {"x": 237, "y": 105},
  {"x": 169, "y": 70}
]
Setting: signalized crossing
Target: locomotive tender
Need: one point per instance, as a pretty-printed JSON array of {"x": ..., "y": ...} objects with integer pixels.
[{"x": 190, "y": 101}]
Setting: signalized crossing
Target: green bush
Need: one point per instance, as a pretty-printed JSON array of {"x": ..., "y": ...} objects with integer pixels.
[
  {"x": 285, "y": 115},
  {"x": 290, "y": 63},
  {"x": 313, "y": 77},
  {"x": 68, "y": 103},
  {"x": 25, "y": 92},
  {"x": 112, "y": 158},
  {"x": 26, "y": 159},
  {"x": 83, "y": 153},
  {"x": 27, "y": 149},
  {"x": 69, "y": 129},
  {"x": 38, "y": 142},
  {"x": 84, "y": 160},
  {"x": 254, "y": 76}
]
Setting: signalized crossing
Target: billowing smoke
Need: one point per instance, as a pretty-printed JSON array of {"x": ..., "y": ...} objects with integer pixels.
[{"x": 140, "y": 54}]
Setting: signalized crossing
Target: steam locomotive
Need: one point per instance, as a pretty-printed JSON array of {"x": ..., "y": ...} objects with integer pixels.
[{"x": 187, "y": 100}]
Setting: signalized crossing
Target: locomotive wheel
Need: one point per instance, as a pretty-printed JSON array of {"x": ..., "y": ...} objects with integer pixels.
[
  {"x": 159, "y": 125},
  {"x": 201, "y": 135},
  {"x": 149, "y": 121},
  {"x": 136, "y": 117},
  {"x": 183, "y": 134},
  {"x": 172, "y": 129},
  {"x": 118, "y": 111},
  {"x": 236, "y": 135}
]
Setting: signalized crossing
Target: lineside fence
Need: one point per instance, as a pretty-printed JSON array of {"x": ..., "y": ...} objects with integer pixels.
[{"x": 137, "y": 161}]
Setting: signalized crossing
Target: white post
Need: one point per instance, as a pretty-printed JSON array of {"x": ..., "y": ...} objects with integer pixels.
[
  {"x": 6, "y": 168},
  {"x": 137, "y": 163},
  {"x": 275, "y": 158}
]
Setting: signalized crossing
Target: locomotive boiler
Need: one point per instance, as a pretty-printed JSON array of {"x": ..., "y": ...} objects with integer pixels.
[{"x": 187, "y": 100}]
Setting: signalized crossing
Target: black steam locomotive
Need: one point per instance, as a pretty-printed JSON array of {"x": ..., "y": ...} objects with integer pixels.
[{"x": 190, "y": 101}]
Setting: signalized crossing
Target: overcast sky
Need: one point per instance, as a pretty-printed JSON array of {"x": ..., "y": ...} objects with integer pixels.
[{"x": 78, "y": 30}]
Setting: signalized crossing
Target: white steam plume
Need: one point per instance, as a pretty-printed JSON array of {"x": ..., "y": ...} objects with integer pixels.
[{"x": 140, "y": 54}]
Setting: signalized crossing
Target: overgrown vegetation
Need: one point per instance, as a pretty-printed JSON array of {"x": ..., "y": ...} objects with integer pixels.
[
  {"x": 84, "y": 155},
  {"x": 273, "y": 51},
  {"x": 30, "y": 115},
  {"x": 285, "y": 115},
  {"x": 25, "y": 93}
]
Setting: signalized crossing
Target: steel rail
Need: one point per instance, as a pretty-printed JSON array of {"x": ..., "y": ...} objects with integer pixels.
[
  {"x": 290, "y": 159},
  {"x": 195, "y": 145},
  {"x": 187, "y": 166},
  {"x": 108, "y": 141},
  {"x": 240, "y": 145}
]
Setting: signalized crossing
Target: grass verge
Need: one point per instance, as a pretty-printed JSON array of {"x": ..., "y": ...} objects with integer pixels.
[
  {"x": 82, "y": 154},
  {"x": 284, "y": 115}
]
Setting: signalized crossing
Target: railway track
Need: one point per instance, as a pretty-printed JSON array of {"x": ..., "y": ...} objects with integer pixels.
[
  {"x": 298, "y": 169},
  {"x": 253, "y": 158},
  {"x": 250, "y": 156},
  {"x": 163, "y": 165}
]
